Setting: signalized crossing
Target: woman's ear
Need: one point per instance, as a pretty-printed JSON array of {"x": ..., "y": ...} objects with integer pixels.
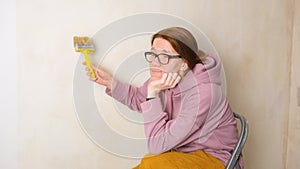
[{"x": 184, "y": 66}]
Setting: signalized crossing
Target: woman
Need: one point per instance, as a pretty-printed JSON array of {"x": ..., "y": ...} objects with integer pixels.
[{"x": 188, "y": 121}]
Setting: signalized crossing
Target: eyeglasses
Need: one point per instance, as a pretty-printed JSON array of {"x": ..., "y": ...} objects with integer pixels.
[{"x": 162, "y": 57}]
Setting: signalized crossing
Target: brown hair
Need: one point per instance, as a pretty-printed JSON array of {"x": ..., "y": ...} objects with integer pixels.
[{"x": 184, "y": 44}]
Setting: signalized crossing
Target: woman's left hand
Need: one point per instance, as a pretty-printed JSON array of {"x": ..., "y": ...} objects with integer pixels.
[{"x": 167, "y": 81}]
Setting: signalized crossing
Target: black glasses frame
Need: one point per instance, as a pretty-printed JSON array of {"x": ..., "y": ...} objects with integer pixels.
[{"x": 157, "y": 56}]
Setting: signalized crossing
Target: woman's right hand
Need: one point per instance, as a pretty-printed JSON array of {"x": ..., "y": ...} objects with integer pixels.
[
  {"x": 102, "y": 77},
  {"x": 167, "y": 81}
]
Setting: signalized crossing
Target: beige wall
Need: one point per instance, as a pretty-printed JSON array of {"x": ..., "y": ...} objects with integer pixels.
[
  {"x": 254, "y": 38},
  {"x": 294, "y": 120}
]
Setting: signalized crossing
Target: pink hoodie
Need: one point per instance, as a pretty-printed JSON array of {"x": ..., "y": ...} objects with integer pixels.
[{"x": 195, "y": 115}]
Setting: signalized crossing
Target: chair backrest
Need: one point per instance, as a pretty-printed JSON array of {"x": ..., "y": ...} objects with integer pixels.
[{"x": 233, "y": 161}]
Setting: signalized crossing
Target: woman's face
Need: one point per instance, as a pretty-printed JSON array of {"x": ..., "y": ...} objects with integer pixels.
[{"x": 159, "y": 46}]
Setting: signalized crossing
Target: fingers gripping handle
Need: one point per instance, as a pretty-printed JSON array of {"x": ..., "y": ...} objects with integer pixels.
[{"x": 88, "y": 63}]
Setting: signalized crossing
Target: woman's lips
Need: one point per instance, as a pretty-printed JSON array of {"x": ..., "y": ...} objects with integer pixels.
[{"x": 155, "y": 73}]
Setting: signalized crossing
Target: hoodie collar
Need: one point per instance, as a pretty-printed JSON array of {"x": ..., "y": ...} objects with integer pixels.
[{"x": 207, "y": 73}]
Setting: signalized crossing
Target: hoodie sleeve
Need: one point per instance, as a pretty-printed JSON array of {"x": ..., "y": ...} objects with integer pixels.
[
  {"x": 129, "y": 95},
  {"x": 163, "y": 133}
]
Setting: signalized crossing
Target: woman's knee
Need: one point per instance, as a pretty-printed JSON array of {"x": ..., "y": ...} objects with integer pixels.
[{"x": 156, "y": 161}]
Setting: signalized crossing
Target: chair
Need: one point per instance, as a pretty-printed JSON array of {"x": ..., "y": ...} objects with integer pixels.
[{"x": 233, "y": 161}]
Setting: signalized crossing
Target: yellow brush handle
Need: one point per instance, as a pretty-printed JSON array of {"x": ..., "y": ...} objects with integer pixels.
[{"x": 88, "y": 62}]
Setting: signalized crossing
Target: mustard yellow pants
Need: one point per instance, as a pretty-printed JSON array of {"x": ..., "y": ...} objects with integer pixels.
[{"x": 178, "y": 160}]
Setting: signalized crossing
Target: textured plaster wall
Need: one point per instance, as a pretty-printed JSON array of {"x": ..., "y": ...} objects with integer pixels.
[
  {"x": 294, "y": 113},
  {"x": 257, "y": 40}
]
